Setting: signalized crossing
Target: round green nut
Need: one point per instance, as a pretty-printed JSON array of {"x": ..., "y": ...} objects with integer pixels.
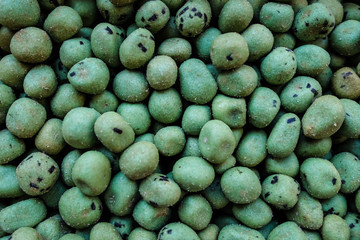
[
  {"x": 150, "y": 217},
  {"x": 235, "y": 16},
  {"x": 13, "y": 72},
  {"x": 161, "y": 72},
  {"x": 350, "y": 127},
  {"x": 74, "y": 50},
  {"x": 170, "y": 140},
  {"x": 210, "y": 232},
  {"x": 284, "y": 40},
  {"x": 137, "y": 115},
  {"x": 277, "y": 17},
  {"x": 237, "y": 231},
  {"x": 231, "y": 111},
  {"x": 287, "y": 166},
  {"x": 9, "y": 184},
  {"x": 40, "y": 82},
  {"x": 194, "y": 118},
  {"x": 177, "y": 48},
  {"x": 311, "y": 60},
  {"x": 105, "y": 231},
  {"x": 251, "y": 151},
  {"x": 335, "y": 205},
  {"x": 335, "y": 227},
  {"x": 177, "y": 230},
  {"x": 11, "y": 146},
  {"x": 26, "y": 233},
  {"x": 287, "y": 231},
  {"x": 104, "y": 102},
  {"x": 153, "y": 16},
  {"x": 49, "y": 139},
  {"x": 203, "y": 43},
  {"x": 346, "y": 83},
  {"x": 345, "y": 38},
  {"x": 52, "y": 227}
]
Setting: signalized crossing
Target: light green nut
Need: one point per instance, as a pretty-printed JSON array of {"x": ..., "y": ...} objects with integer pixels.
[
  {"x": 117, "y": 15},
  {"x": 203, "y": 43},
  {"x": 25, "y": 213},
  {"x": 177, "y": 48},
  {"x": 26, "y": 233},
  {"x": 209, "y": 233},
  {"x": 11, "y": 146},
  {"x": 191, "y": 148},
  {"x": 153, "y": 16},
  {"x": 288, "y": 166},
  {"x": 161, "y": 72},
  {"x": 137, "y": 115},
  {"x": 235, "y": 16},
  {"x": 74, "y": 50},
  {"x": 150, "y": 217},
  {"x": 194, "y": 118},
  {"x": 231, "y": 111},
  {"x": 320, "y": 178},
  {"x": 335, "y": 227},
  {"x": 141, "y": 234},
  {"x": 137, "y": 49},
  {"x": 287, "y": 231},
  {"x": 335, "y": 205},
  {"x": 40, "y": 82},
  {"x": 278, "y": 17},
  {"x": 214, "y": 195},
  {"x": 9, "y": 187},
  {"x": 323, "y": 118},
  {"x": 52, "y": 228},
  {"x": 252, "y": 148},
  {"x": 170, "y": 140},
  {"x": 284, "y": 40},
  {"x": 105, "y": 231},
  {"x": 308, "y": 147},
  {"x": 13, "y": 72},
  {"x": 284, "y": 136},
  {"x": 351, "y": 11},
  {"x": 350, "y": 128},
  {"x": 311, "y": 59},
  {"x": 346, "y": 83},
  {"x": 237, "y": 231},
  {"x": 353, "y": 222},
  {"x": 49, "y": 139},
  {"x": 104, "y": 102},
  {"x": 279, "y": 66},
  {"x": 177, "y": 230},
  {"x": 335, "y": 7},
  {"x": 345, "y": 38}
]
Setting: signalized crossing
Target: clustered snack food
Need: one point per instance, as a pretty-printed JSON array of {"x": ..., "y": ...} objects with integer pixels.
[{"x": 179, "y": 120}]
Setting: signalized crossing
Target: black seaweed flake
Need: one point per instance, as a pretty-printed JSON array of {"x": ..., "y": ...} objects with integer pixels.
[
  {"x": 198, "y": 14},
  {"x": 72, "y": 74},
  {"x": 93, "y": 207},
  {"x": 51, "y": 169},
  {"x": 290, "y": 120},
  {"x": 109, "y": 30},
  {"x": 334, "y": 181},
  {"x": 274, "y": 103},
  {"x": 267, "y": 194},
  {"x": 184, "y": 10},
  {"x": 117, "y": 130},
  {"x": 33, "y": 185},
  {"x": 142, "y": 47},
  {"x": 295, "y": 95},
  {"x": 274, "y": 180},
  {"x": 313, "y": 90},
  {"x": 229, "y": 58},
  {"x": 153, "y": 18}
]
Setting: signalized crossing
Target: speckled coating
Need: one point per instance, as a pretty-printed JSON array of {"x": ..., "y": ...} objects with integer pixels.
[
  {"x": 40, "y": 82},
  {"x": 27, "y": 233},
  {"x": 350, "y": 219},
  {"x": 194, "y": 118},
  {"x": 104, "y": 102},
  {"x": 287, "y": 231},
  {"x": 235, "y": 16},
  {"x": 137, "y": 115},
  {"x": 74, "y": 50},
  {"x": 11, "y": 146},
  {"x": 311, "y": 60},
  {"x": 13, "y": 72},
  {"x": 287, "y": 166},
  {"x": 278, "y": 17},
  {"x": 284, "y": 40},
  {"x": 346, "y": 83},
  {"x": 350, "y": 128},
  {"x": 236, "y": 231},
  {"x": 150, "y": 217},
  {"x": 161, "y": 72},
  {"x": 177, "y": 48},
  {"x": 5, "y": 37},
  {"x": 117, "y": 15},
  {"x": 152, "y": 15},
  {"x": 105, "y": 231},
  {"x": 252, "y": 148},
  {"x": 335, "y": 227},
  {"x": 203, "y": 42},
  {"x": 231, "y": 111},
  {"x": 170, "y": 140},
  {"x": 52, "y": 227},
  {"x": 210, "y": 232},
  {"x": 49, "y": 139},
  {"x": 335, "y": 205}
]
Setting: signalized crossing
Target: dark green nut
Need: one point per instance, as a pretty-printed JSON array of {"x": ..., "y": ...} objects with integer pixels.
[
  {"x": 311, "y": 60},
  {"x": 278, "y": 17},
  {"x": 346, "y": 83},
  {"x": 203, "y": 43},
  {"x": 284, "y": 40},
  {"x": 66, "y": 167},
  {"x": 352, "y": 220},
  {"x": 345, "y": 38},
  {"x": 5, "y": 37},
  {"x": 214, "y": 195},
  {"x": 74, "y": 50},
  {"x": 308, "y": 147},
  {"x": 235, "y": 16},
  {"x": 350, "y": 128},
  {"x": 104, "y": 102},
  {"x": 153, "y": 16},
  {"x": 351, "y": 11}
]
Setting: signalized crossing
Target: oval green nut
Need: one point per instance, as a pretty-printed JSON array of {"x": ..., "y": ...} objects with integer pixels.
[
  {"x": 161, "y": 72},
  {"x": 49, "y": 139},
  {"x": 287, "y": 231},
  {"x": 141, "y": 234},
  {"x": 288, "y": 166},
  {"x": 104, "y": 102},
  {"x": 13, "y": 72},
  {"x": 237, "y": 231},
  {"x": 214, "y": 195},
  {"x": 278, "y": 17},
  {"x": 346, "y": 83},
  {"x": 11, "y": 146},
  {"x": 177, "y": 230},
  {"x": 209, "y": 233},
  {"x": 137, "y": 115},
  {"x": 105, "y": 231},
  {"x": 235, "y": 16},
  {"x": 203, "y": 43},
  {"x": 153, "y": 16},
  {"x": 252, "y": 148},
  {"x": 150, "y": 217},
  {"x": 170, "y": 140},
  {"x": 74, "y": 50},
  {"x": 335, "y": 227},
  {"x": 194, "y": 118},
  {"x": 26, "y": 233},
  {"x": 345, "y": 38},
  {"x": 52, "y": 228},
  {"x": 9, "y": 186},
  {"x": 335, "y": 205},
  {"x": 177, "y": 48},
  {"x": 311, "y": 60}
]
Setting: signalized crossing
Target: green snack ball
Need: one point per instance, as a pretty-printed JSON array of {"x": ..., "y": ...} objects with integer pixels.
[
  {"x": 308, "y": 147},
  {"x": 287, "y": 231},
  {"x": 26, "y": 233},
  {"x": 141, "y": 234},
  {"x": 320, "y": 178},
  {"x": 165, "y": 106},
  {"x": 229, "y": 51},
  {"x": 161, "y": 72},
  {"x": 19, "y": 14},
  {"x": 49, "y": 139},
  {"x": 121, "y": 200},
  {"x": 214, "y": 195},
  {"x": 25, "y": 213},
  {"x": 117, "y": 15},
  {"x": 31, "y": 45},
  {"x": 353, "y": 222},
  {"x": 313, "y": 22},
  {"x": 203, "y": 43},
  {"x": 170, "y": 140},
  {"x": 237, "y": 231},
  {"x": 350, "y": 127},
  {"x": 203, "y": 89},
  {"x": 337, "y": 61},
  {"x": 177, "y": 230},
  {"x": 90, "y": 76},
  {"x": 240, "y": 185},
  {"x": 252, "y": 149},
  {"x": 307, "y": 212},
  {"x": 311, "y": 59},
  {"x": 177, "y": 48},
  {"x": 137, "y": 115},
  {"x": 62, "y": 23},
  {"x": 335, "y": 7},
  {"x": 139, "y": 160},
  {"x": 335, "y": 205},
  {"x": 52, "y": 228},
  {"x": 263, "y": 106},
  {"x": 209, "y": 233},
  {"x": 78, "y": 127},
  {"x": 351, "y": 11},
  {"x": 78, "y": 210},
  {"x": 235, "y": 16},
  {"x": 131, "y": 86},
  {"x": 227, "y": 164},
  {"x": 284, "y": 136},
  {"x": 193, "y": 17},
  {"x": 74, "y": 50},
  {"x": 11, "y": 146},
  {"x": 52, "y": 197},
  {"x": 114, "y": 132},
  {"x": 345, "y": 83},
  {"x": 40, "y": 82},
  {"x": 123, "y": 225},
  {"x": 113, "y": 36},
  {"x": 160, "y": 190},
  {"x": 105, "y": 231},
  {"x": 286, "y": 40},
  {"x": 13, "y": 72},
  {"x": 345, "y": 38},
  {"x": 87, "y": 10},
  {"x": 216, "y": 141},
  {"x": 279, "y": 66},
  {"x": 150, "y": 217},
  {"x": 231, "y": 111},
  {"x": 5, "y": 37},
  {"x": 277, "y": 17},
  {"x": 195, "y": 211},
  {"x": 152, "y": 15},
  {"x": 193, "y": 174},
  {"x": 254, "y": 215},
  {"x": 65, "y": 99},
  {"x": 194, "y": 118},
  {"x": 9, "y": 187},
  {"x": 280, "y": 191},
  {"x": 71, "y": 236},
  {"x": 191, "y": 148},
  {"x": 137, "y": 49},
  {"x": 335, "y": 227},
  {"x": 104, "y": 102},
  {"x": 25, "y": 118},
  {"x": 287, "y": 166},
  {"x": 323, "y": 118}
]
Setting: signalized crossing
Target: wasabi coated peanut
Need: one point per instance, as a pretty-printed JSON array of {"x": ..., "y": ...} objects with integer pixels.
[
  {"x": 284, "y": 136},
  {"x": 194, "y": 118},
  {"x": 203, "y": 42},
  {"x": 90, "y": 76},
  {"x": 177, "y": 230},
  {"x": 137, "y": 48},
  {"x": 123, "y": 225},
  {"x": 323, "y": 118},
  {"x": 320, "y": 178},
  {"x": 177, "y": 48},
  {"x": 237, "y": 231},
  {"x": 235, "y": 16},
  {"x": 9, "y": 187},
  {"x": 284, "y": 40},
  {"x": 26, "y": 233},
  {"x": 351, "y": 11},
  {"x": 227, "y": 164},
  {"x": 352, "y": 220},
  {"x": 40, "y": 82},
  {"x": 313, "y": 22},
  {"x": 71, "y": 236},
  {"x": 191, "y": 148},
  {"x": 113, "y": 131},
  {"x": 160, "y": 190},
  {"x": 117, "y": 15},
  {"x": 350, "y": 127},
  {"x": 308, "y": 147},
  {"x": 165, "y": 106},
  {"x": 74, "y": 50},
  {"x": 346, "y": 83},
  {"x": 161, "y": 72},
  {"x": 280, "y": 191},
  {"x": 307, "y": 212},
  {"x": 52, "y": 228},
  {"x": 49, "y": 139},
  {"x": 141, "y": 234},
  {"x": 139, "y": 160},
  {"x": 287, "y": 231},
  {"x": 279, "y": 66},
  {"x": 150, "y": 217},
  {"x": 25, "y": 213},
  {"x": 216, "y": 141},
  {"x": 214, "y": 195},
  {"x": 209, "y": 233},
  {"x": 121, "y": 200},
  {"x": 240, "y": 185},
  {"x": 231, "y": 111},
  {"x": 25, "y": 118},
  {"x": 66, "y": 167},
  {"x": 105, "y": 231},
  {"x": 287, "y": 166},
  {"x": 335, "y": 227},
  {"x": 113, "y": 36},
  {"x": 137, "y": 115},
  {"x": 345, "y": 38},
  {"x": 311, "y": 59},
  {"x": 78, "y": 127},
  {"x": 11, "y": 146},
  {"x": 13, "y": 72},
  {"x": 252, "y": 148},
  {"x": 62, "y": 23},
  {"x": 254, "y": 215},
  {"x": 131, "y": 86},
  {"x": 335, "y": 205},
  {"x": 204, "y": 89},
  {"x": 193, "y": 174},
  {"x": 5, "y": 37},
  {"x": 78, "y": 210},
  {"x": 86, "y": 9},
  {"x": 277, "y": 17},
  {"x": 229, "y": 51},
  {"x": 335, "y": 7},
  {"x": 170, "y": 140},
  {"x": 263, "y": 106},
  {"x": 104, "y": 102},
  {"x": 7, "y": 97},
  {"x": 153, "y": 16}
]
